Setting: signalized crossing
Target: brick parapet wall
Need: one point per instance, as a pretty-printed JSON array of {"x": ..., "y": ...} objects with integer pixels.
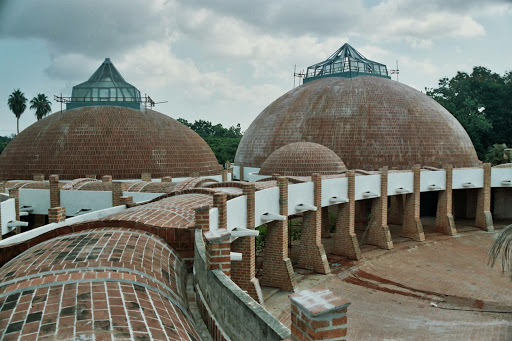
[
  {"x": 166, "y": 179},
  {"x": 146, "y": 177},
  {"x": 345, "y": 239},
  {"x": 54, "y": 191},
  {"x": 39, "y": 177},
  {"x": 318, "y": 314},
  {"x": 312, "y": 254},
  {"x": 218, "y": 251},
  {"x": 117, "y": 193},
  {"x": 220, "y": 201},
  {"x": 106, "y": 178}
]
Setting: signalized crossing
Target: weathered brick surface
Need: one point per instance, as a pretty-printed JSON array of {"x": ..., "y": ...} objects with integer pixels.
[
  {"x": 56, "y": 214},
  {"x": 277, "y": 267},
  {"x": 444, "y": 215},
  {"x": 412, "y": 226},
  {"x": 318, "y": 314},
  {"x": 312, "y": 254},
  {"x": 118, "y": 141},
  {"x": 483, "y": 217},
  {"x": 378, "y": 230},
  {"x": 54, "y": 191},
  {"x": 360, "y": 119},
  {"x": 345, "y": 239},
  {"x": 107, "y": 284},
  {"x": 302, "y": 159}
]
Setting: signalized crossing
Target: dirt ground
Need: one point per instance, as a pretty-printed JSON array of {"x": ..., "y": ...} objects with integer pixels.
[{"x": 440, "y": 289}]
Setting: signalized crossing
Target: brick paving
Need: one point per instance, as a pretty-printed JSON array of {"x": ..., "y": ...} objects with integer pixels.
[
  {"x": 392, "y": 300},
  {"x": 103, "y": 284}
]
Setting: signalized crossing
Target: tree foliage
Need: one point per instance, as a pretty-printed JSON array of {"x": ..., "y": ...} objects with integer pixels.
[
  {"x": 17, "y": 103},
  {"x": 4, "y": 140},
  {"x": 42, "y": 106},
  {"x": 223, "y": 141},
  {"x": 482, "y": 103}
]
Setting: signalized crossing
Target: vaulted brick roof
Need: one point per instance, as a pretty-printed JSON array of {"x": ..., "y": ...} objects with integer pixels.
[
  {"x": 105, "y": 283},
  {"x": 369, "y": 122},
  {"x": 302, "y": 159},
  {"x": 107, "y": 140}
]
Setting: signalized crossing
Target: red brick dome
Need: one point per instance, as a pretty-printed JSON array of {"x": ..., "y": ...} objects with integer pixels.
[
  {"x": 302, "y": 159},
  {"x": 102, "y": 140},
  {"x": 368, "y": 121}
]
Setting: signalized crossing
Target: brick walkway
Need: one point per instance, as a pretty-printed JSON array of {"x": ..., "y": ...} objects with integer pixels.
[{"x": 391, "y": 291}]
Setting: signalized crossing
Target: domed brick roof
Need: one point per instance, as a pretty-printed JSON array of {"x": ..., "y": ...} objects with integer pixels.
[
  {"x": 101, "y": 140},
  {"x": 369, "y": 122},
  {"x": 302, "y": 159}
]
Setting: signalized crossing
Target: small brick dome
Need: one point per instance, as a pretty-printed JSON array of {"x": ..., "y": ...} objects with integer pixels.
[
  {"x": 302, "y": 159},
  {"x": 102, "y": 140},
  {"x": 369, "y": 122}
]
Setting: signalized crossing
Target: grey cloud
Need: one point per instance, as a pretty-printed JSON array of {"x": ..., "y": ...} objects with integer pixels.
[{"x": 93, "y": 28}]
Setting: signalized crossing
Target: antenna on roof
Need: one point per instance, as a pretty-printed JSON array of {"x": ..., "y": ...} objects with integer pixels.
[
  {"x": 396, "y": 71},
  {"x": 299, "y": 75}
]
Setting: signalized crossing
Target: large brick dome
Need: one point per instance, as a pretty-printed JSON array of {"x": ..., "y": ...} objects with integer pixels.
[
  {"x": 112, "y": 140},
  {"x": 302, "y": 159},
  {"x": 368, "y": 121}
]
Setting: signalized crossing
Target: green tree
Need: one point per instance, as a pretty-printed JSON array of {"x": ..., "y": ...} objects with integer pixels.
[
  {"x": 481, "y": 102},
  {"x": 17, "y": 104},
  {"x": 4, "y": 140},
  {"x": 42, "y": 106},
  {"x": 498, "y": 154},
  {"x": 223, "y": 141}
]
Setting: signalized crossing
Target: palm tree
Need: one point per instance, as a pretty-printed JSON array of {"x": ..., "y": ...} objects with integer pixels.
[
  {"x": 42, "y": 105},
  {"x": 502, "y": 248},
  {"x": 17, "y": 103}
]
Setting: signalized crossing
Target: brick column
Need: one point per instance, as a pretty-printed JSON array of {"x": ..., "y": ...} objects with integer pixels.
[
  {"x": 241, "y": 172},
  {"x": 106, "y": 178},
  {"x": 444, "y": 215},
  {"x": 54, "y": 191},
  {"x": 39, "y": 177},
  {"x": 326, "y": 222},
  {"x": 218, "y": 251},
  {"x": 312, "y": 254},
  {"x": 56, "y": 214},
  {"x": 243, "y": 272},
  {"x": 277, "y": 267},
  {"x": 483, "y": 218},
  {"x": 412, "y": 227},
  {"x": 396, "y": 209},
  {"x": 146, "y": 177},
  {"x": 202, "y": 218},
  {"x": 378, "y": 230},
  {"x": 126, "y": 200},
  {"x": 345, "y": 239},
  {"x": 14, "y": 193},
  {"x": 117, "y": 193},
  {"x": 167, "y": 179},
  {"x": 224, "y": 174},
  {"x": 318, "y": 314}
]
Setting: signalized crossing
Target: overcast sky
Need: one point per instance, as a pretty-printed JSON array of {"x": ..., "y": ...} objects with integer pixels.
[{"x": 226, "y": 60}]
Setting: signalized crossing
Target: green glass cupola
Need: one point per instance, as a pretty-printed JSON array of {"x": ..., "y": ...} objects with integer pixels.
[
  {"x": 346, "y": 62},
  {"x": 105, "y": 87}
]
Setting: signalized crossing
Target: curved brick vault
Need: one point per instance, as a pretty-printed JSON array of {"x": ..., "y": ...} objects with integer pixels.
[
  {"x": 369, "y": 122},
  {"x": 302, "y": 159},
  {"x": 107, "y": 140},
  {"x": 101, "y": 283}
]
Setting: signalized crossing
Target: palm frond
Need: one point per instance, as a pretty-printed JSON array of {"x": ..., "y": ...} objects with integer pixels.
[{"x": 501, "y": 249}]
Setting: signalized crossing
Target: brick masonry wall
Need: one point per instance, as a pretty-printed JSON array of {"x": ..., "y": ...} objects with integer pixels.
[
  {"x": 412, "y": 227},
  {"x": 312, "y": 254},
  {"x": 444, "y": 215},
  {"x": 483, "y": 217},
  {"x": 378, "y": 230},
  {"x": 54, "y": 191},
  {"x": 318, "y": 314}
]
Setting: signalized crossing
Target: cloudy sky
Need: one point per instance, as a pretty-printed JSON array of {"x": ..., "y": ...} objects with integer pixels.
[{"x": 226, "y": 60}]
